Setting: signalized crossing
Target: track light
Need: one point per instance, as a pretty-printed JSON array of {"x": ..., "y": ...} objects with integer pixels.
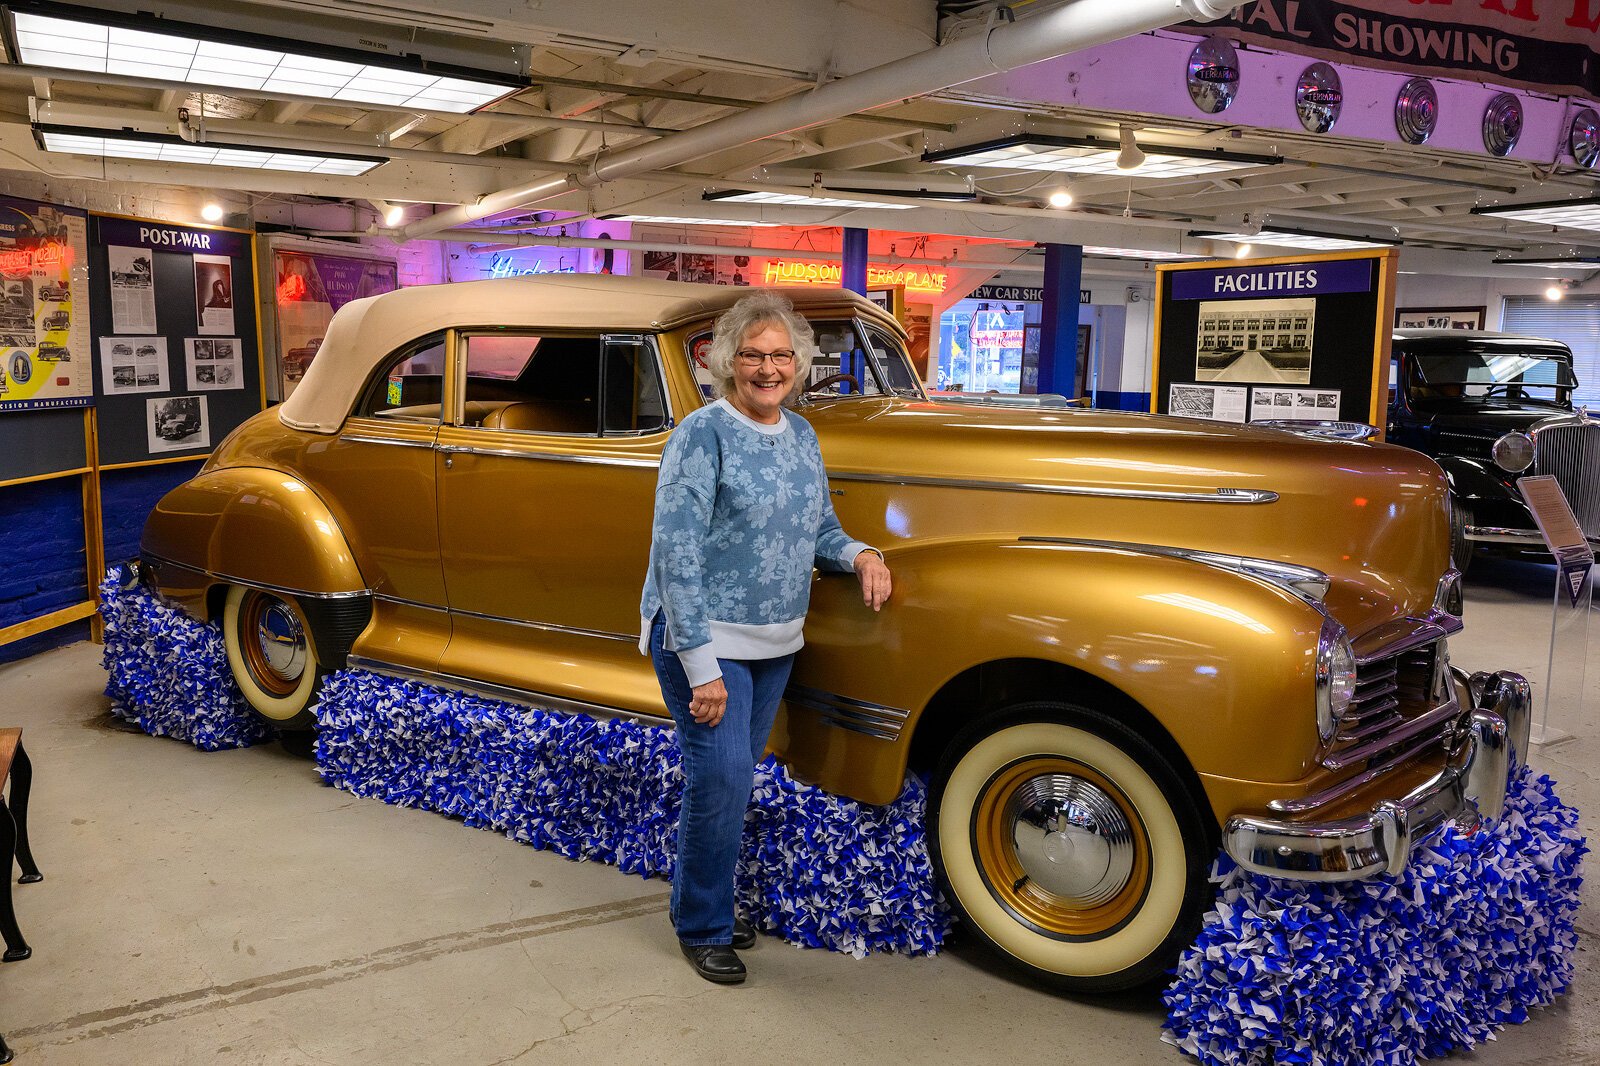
[
  {"x": 1555, "y": 292},
  {"x": 212, "y": 211},
  {"x": 392, "y": 214},
  {"x": 1061, "y": 198},
  {"x": 1130, "y": 157}
]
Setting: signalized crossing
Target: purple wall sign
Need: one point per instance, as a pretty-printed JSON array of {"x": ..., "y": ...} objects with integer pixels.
[{"x": 1286, "y": 279}]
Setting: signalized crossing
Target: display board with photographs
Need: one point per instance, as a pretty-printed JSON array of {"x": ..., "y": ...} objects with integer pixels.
[
  {"x": 1303, "y": 339},
  {"x": 179, "y": 365},
  {"x": 310, "y": 282}
]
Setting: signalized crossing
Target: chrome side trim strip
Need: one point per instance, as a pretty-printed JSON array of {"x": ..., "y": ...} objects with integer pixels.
[
  {"x": 160, "y": 561},
  {"x": 523, "y": 697},
  {"x": 409, "y": 603},
  {"x": 362, "y": 438},
  {"x": 1304, "y": 581},
  {"x": 554, "y": 457},
  {"x": 842, "y": 712},
  {"x": 1220, "y": 495},
  {"x": 551, "y": 626}
]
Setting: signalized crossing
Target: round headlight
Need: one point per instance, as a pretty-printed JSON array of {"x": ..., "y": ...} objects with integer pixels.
[
  {"x": 1336, "y": 677},
  {"x": 1513, "y": 452}
]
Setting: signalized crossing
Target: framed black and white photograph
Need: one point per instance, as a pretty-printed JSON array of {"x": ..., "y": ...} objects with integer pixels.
[
  {"x": 177, "y": 423},
  {"x": 1439, "y": 317},
  {"x": 1265, "y": 341}
]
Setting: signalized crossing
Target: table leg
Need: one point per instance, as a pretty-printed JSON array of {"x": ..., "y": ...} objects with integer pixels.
[
  {"x": 17, "y": 948},
  {"x": 21, "y": 785}
]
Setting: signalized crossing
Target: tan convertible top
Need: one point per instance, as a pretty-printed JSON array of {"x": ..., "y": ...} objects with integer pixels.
[{"x": 363, "y": 332}]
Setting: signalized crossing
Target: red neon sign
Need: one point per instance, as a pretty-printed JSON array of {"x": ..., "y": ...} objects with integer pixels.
[{"x": 784, "y": 272}]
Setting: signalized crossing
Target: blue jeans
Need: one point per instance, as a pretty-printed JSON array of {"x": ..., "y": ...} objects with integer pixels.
[{"x": 719, "y": 771}]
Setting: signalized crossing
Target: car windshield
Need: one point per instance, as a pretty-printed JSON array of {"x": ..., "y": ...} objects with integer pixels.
[
  {"x": 1536, "y": 375},
  {"x": 853, "y": 360}
]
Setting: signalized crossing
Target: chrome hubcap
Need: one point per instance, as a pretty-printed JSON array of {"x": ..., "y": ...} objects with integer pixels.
[
  {"x": 282, "y": 641},
  {"x": 1071, "y": 839}
]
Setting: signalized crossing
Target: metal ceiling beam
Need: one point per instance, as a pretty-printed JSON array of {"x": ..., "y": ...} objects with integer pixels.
[{"x": 1004, "y": 46}]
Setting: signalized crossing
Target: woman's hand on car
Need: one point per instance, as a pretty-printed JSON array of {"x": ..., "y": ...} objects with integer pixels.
[
  {"x": 709, "y": 702},
  {"x": 875, "y": 582}
]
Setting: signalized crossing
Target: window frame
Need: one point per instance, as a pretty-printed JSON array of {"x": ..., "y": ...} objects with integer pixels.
[
  {"x": 380, "y": 376},
  {"x": 649, "y": 341}
]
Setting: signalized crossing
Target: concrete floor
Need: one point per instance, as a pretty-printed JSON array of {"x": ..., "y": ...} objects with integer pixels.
[{"x": 229, "y": 908}]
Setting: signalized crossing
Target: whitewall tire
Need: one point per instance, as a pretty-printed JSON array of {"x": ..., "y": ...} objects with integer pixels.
[
  {"x": 272, "y": 655},
  {"x": 1069, "y": 844}
]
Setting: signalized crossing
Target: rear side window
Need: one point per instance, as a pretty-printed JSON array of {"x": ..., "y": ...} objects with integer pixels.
[
  {"x": 410, "y": 386},
  {"x": 570, "y": 385}
]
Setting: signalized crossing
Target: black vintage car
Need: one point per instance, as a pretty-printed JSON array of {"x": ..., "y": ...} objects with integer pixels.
[{"x": 1490, "y": 408}]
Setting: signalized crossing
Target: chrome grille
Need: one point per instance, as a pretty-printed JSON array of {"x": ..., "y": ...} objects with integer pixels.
[
  {"x": 1394, "y": 703},
  {"x": 1572, "y": 455}
]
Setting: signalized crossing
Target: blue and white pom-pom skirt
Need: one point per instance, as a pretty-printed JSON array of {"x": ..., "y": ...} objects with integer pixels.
[{"x": 1478, "y": 931}]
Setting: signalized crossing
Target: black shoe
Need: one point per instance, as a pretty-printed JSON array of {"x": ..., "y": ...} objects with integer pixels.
[
  {"x": 714, "y": 962},
  {"x": 744, "y": 934}
]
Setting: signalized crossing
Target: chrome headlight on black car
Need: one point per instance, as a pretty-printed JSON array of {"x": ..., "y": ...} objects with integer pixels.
[
  {"x": 1336, "y": 677},
  {"x": 1513, "y": 452}
]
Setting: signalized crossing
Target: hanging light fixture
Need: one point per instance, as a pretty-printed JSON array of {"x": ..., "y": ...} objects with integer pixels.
[{"x": 1131, "y": 156}]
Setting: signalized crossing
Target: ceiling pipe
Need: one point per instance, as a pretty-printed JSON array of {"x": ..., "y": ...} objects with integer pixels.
[
  {"x": 1001, "y": 47},
  {"x": 491, "y": 239}
]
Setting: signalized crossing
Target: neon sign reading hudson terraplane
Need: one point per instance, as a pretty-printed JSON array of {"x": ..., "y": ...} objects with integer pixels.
[{"x": 784, "y": 272}]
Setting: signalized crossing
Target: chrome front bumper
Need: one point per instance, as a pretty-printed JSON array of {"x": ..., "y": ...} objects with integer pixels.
[{"x": 1469, "y": 790}]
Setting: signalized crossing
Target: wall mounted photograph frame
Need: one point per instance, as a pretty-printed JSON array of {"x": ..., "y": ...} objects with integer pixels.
[{"x": 1440, "y": 317}]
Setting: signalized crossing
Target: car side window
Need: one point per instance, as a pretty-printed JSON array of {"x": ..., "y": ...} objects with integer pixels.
[
  {"x": 533, "y": 384},
  {"x": 633, "y": 401},
  {"x": 410, "y": 386}
]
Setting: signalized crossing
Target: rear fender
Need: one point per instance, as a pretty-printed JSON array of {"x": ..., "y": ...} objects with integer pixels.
[
  {"x": 251, "y": 526},
  {"x": 1224, "y": 662}
]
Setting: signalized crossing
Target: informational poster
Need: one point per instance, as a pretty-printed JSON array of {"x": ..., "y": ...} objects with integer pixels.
[
  {"x": 1222, "y": 403},
  {"x": 177, "y": 423},
  {"x": 133, "y": 290},
  {"x": 213, "y": 293},
  {"x": 1306, "y": 337},
  {"x": 133, "y": 364},
  {"x": 213, "y": 363},
  {"x": 310, "y": 288},
  {"x": 1317, "y": 405},
  {"x": 45, "y": 356}
]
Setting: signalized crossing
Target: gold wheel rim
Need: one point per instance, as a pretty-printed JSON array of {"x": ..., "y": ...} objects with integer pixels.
[{"x": 1016, "y": 881}]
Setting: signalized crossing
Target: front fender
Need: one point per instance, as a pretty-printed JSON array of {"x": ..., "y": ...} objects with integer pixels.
[
  {"x": 1225, "y": 662},
  {"x": 249, "y": 525}
]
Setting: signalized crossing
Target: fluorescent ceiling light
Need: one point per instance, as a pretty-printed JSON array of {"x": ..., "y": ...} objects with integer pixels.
[
  {"x": 1577, "y": 213},
  {"x": 797, "y": 200},
  {"x": 1095, "y": 155},
  {"x": 1136, "y": 253},
  {"x": 1570, "y": 263},
  {"x": 1297, "y": 238},
  {"x": 103, "y": 42},
  {"x": 71, "y": 140},
  {"x": 673, "y": 221}
]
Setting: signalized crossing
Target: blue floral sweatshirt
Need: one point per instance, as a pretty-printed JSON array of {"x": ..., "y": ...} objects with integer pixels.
[{"x": 742, "y": 511}]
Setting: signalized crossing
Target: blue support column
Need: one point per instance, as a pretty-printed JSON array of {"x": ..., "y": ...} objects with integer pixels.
[
  {"x": 854, "y": 278},
  {"x": 1058, "y": 320},
  {"x": 855, "y": 260}
]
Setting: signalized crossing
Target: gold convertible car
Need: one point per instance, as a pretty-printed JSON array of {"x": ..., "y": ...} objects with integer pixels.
[{"x": 1117, "y": 641}]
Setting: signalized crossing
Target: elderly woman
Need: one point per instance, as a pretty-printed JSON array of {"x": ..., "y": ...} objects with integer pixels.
[{"x": 742, "y": 515}]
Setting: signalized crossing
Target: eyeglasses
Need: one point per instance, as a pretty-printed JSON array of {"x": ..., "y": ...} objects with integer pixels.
[{"x": 751, "y": 357}]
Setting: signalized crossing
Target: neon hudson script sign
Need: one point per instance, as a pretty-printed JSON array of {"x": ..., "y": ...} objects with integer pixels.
[{"x": 784, "y": 272}]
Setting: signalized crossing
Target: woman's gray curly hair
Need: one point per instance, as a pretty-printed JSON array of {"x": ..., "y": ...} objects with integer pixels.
[{"x": 751, "y": 314}]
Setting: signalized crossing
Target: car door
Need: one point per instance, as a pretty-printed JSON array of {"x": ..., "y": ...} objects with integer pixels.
[{"x": 547, "y": 484}]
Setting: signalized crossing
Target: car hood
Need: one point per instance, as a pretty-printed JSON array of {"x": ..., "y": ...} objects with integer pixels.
[
  {"x": 1371, "y": 516},
  {"x": 1491, "y": 419}
]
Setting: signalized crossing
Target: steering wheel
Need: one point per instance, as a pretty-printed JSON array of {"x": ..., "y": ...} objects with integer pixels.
[
  {"x": 1506, "y": 385},
  {"x": 819, "y": 385}
]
